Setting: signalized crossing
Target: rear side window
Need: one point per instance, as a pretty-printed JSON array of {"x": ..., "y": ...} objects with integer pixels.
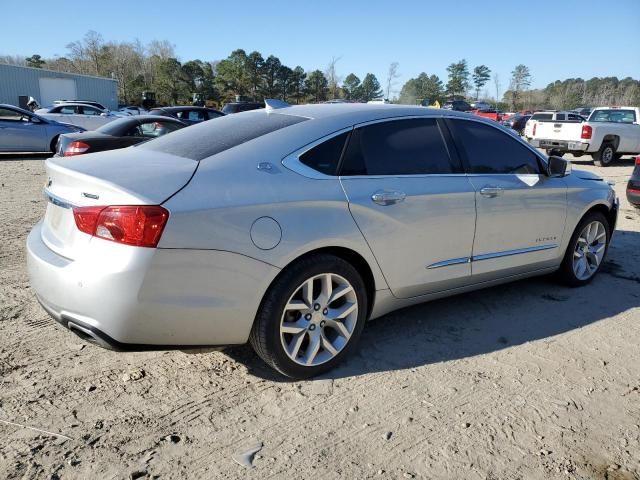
[
  {"x": 560, "y": 116},
  {"x": 542, "y": 116},
  {"x": 490, "y": 150},
  {"x": 400, "y": 147},
  {"x": 324, "y": 157},
  {"x": 209, "y": 138}
]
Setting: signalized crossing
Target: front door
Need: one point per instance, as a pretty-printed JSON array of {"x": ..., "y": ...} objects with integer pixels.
[
  {"x": 413, "y": 204},
  {"x": 521, "y": 212},
  {"x": 18, "y": 133}
]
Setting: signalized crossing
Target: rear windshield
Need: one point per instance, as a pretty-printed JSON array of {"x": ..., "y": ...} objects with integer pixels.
[
  {"x": 542, "y": 116},
  {"x": 212, "y": 137},
  {"x": 614, "y": 115}
]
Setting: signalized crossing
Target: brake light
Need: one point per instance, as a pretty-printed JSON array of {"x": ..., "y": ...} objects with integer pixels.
[
  {"x": 75, "y": 148},
  {"x": 638, "y": 161},
  {"x": 137, "y": 225},
  {"x": 587, "y": 131},
  {"x": 534, "y": 129}
]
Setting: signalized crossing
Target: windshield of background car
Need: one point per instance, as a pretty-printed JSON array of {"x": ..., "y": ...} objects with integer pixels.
[
  {"x": 619, "y": 116},
  {"x": 209, "y": 138}
]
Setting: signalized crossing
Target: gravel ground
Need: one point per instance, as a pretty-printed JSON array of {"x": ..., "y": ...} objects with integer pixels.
[{"x": 524, "y": 381}]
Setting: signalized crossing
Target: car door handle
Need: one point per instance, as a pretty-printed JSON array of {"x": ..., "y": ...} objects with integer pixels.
[
  {"x": 491, "y": 191},
  {"x": 388, "y": 198}
]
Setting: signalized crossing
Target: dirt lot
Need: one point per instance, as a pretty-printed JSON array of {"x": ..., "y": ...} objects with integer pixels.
[{"x": 524, "y": 381}]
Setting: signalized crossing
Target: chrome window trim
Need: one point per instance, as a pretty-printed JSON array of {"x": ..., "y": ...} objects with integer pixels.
[{"x": 292, "y": 161}]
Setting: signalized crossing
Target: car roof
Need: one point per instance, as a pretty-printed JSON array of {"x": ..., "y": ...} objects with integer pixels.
[
  {"x": 180, "y": 107},
  {"x": 360, "y": 112},
  {"x": 75, "y": 104}
]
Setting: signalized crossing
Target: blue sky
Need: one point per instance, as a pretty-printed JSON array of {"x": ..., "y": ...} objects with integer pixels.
[{"x": 556, "y": 39}]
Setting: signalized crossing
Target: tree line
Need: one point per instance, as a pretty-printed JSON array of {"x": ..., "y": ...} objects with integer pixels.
[{"x": 155, "y": 67}]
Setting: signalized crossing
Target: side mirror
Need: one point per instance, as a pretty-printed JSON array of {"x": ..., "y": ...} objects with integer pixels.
[
  {"x": 558, "y": 167},
  {"x": 104, "y": 114}
]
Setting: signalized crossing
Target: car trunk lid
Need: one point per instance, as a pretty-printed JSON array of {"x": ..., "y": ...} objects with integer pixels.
[{"x": 122, "y": 177}]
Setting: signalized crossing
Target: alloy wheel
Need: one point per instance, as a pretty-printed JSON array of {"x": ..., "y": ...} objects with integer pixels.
[
  {"x": 589, "y": 250},
  {"x": 319, "y": 319}
]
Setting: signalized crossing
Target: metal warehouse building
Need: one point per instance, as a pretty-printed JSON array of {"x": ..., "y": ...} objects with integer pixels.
[{"x": 46, "y": 86}]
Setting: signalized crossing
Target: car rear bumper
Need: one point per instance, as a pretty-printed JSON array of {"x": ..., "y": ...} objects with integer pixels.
[
  {"x": 564, "y": 146},
  {"x": 140, "y": 298}
]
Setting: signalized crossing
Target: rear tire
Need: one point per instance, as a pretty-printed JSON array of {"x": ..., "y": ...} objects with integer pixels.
[
  {"x": 605, "y": 156},
  {"x": 586, "y": 251},
  {"x": 54, "y": 143},
  {"x": 299, "y": 331},
  {"x": 556, "y": 153}
]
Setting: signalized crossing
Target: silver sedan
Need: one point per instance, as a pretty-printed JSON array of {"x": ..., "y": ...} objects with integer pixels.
[
  {"x": 24, "y": 131},
  {"x": 289, "y": 227}
]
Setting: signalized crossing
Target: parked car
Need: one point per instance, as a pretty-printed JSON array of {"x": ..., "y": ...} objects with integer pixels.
[
  {"x": 633, "y": 186},
  {"x": 120, "y": 133},
  {"x": 188, "y": 114},
  {"x": 491, "y": 114},
  {"x": 86, "y": 102},
  {"x": 457, "y": 105},
  {"x": 25, "y": 131},
  {"x": 552, "y": 115},
  {"x": 608, "y": 134},
  {"x": 236, "y": 107},
  {"x": 289, "y": 228},
  {"x": 517, "y": 122},
  {"x": 584, "y": 111},
  {"x": 133, "y": 110},
  {"x": 80, "y": 114}
]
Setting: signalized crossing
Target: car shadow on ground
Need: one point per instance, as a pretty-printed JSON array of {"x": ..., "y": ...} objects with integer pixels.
[
  {"x": 486, "y": 320},
  {"x": 24, "y": 156}
]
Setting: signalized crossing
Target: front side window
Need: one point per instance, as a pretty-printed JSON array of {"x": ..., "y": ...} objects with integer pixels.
[
  {"x": 90, "y": 110},
  {"x": 10, "y": 115},
  {"x": 399, "y": 147},
  {"x": 560, "y": 116},
  {"x": 68, "y": 110},
  {"x": 490, "y": 150},
  {"x": 194, "y": 115}
]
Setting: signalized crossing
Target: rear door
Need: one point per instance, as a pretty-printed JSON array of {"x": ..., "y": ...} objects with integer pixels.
[
  {"x": 413, "y": 204},
  {"x": 521, "y": 211}
]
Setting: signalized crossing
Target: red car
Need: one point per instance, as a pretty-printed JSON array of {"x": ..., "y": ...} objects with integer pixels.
[{"x": 492, "y": 114}]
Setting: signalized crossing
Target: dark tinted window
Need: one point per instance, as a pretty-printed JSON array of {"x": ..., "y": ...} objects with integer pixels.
[
  {"x": 208, "y": 138},
  {"x": 213, "y": 114},
  {"x": 325, "y": 156},
  {"x": 400, "y": 147},
  {"x": 489, "y": 150}
]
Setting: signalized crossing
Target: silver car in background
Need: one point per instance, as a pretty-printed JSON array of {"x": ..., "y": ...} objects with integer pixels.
[
  {"x": 81, "y": 114},
  {"x": 289, "y": 227},
  {"x": 24, "y": 131}
]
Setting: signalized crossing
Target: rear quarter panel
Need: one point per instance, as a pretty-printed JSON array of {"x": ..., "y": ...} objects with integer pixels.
[{"x": 215, "y": 211}]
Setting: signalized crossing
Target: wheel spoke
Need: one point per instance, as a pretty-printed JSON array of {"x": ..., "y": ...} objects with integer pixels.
[
  {"x": 328, "y": 346},
  {"x": 595, "y": 261},
  {"x": 601, "y": 234},
  {"x": 598, "y": 248},
  {"x": 340, "y": 292},
  {"x": 343, "y": 311},
  {"x": 312, "y": 349},
  {"x": 590, "y": 233},
  {"x": 340, "y": 328},
  {"x": 307, "y": 292},
  {"x": 577, "y": 254},
  {"x": 293, "y": 327},
  {"x": 294, "y": 345},
  {"x": 327, "y": 286},
  {"x": 296, "y": 305},
  {"x": 581, "y": 267}
]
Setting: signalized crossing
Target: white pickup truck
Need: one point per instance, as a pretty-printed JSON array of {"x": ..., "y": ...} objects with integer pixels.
[{"x": 608, "y": 134}]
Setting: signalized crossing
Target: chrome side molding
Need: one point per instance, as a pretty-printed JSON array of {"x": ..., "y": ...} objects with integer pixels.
[{"x": 488, "y": 256}]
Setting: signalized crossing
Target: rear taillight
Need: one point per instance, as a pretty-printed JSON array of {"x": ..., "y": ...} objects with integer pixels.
[
  {"x": 75, "y": 148},
  {"x": 587, "y": 131},
  {"x": 638, "y": 161},
  {"x": 137, "y": 225},
  {"x": 534, "y": 129}
]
